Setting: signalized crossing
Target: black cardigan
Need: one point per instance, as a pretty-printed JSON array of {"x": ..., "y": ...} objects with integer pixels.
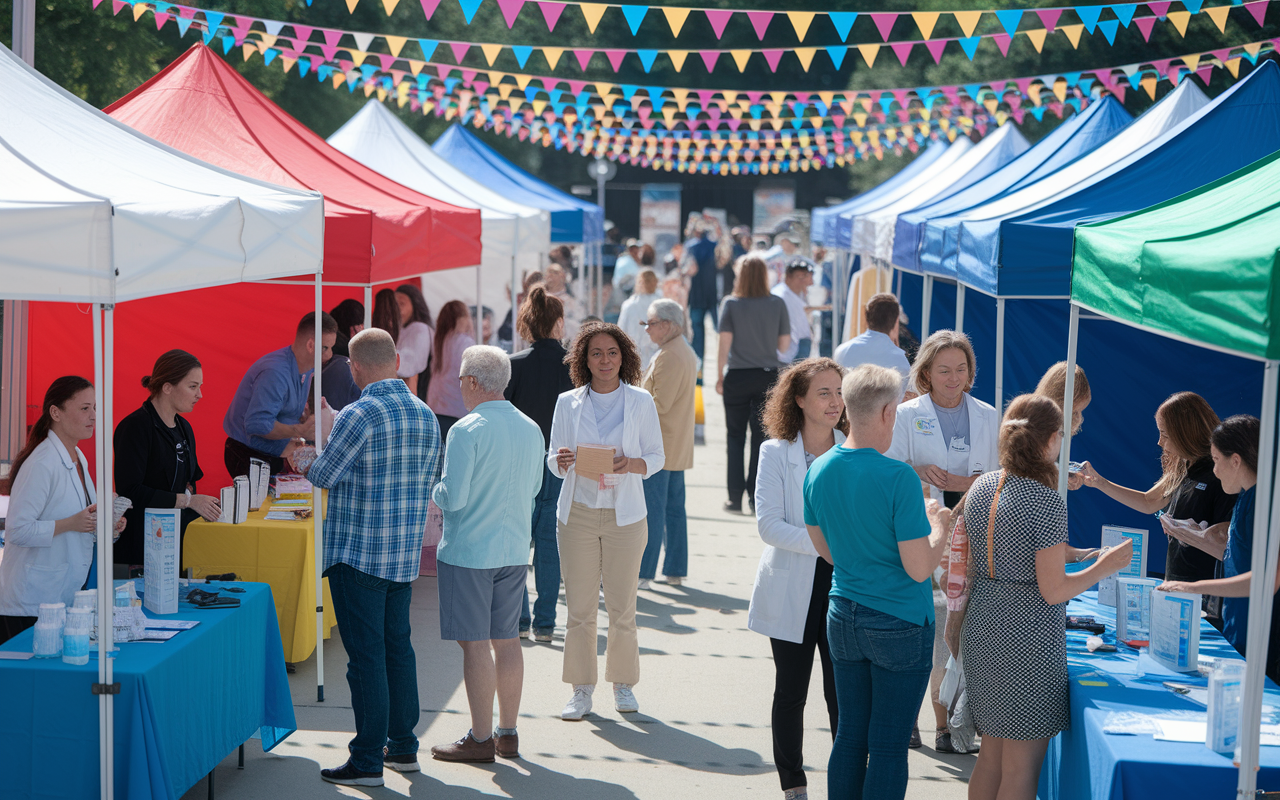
[
  {"x": 145, "y": 470},
  {"x": 538, "y": 376}
]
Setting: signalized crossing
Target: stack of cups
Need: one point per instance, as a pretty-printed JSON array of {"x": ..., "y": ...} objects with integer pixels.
[
  {"x": 88, "y": 598},
  {"x": 75, "y": 636},
  {"x": 48, "y": 631},
  {"x": 121, "y": 617}
]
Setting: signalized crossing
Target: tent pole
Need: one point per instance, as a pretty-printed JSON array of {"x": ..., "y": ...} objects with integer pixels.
[
  {"x": 999, "y": 404},
  {"x": 317, "y": 517},
  {"x": 599, "y": 251},
  {"x": 926, "y": 306},
  {"x": 106, "y": 517},
  {"x": 105, "y": 598},
  {"x": 24, "y": 31},
  {"x": 1068, "y": 398},
  {"x": 515, "y": 287},
  {"x": 959, "y": 307},
  {"x": 479, "y": 321},
  {"x": 837, "y": 298},
  {"x": 368, "y": 307},
  {"x": 1260, "y": 591}
]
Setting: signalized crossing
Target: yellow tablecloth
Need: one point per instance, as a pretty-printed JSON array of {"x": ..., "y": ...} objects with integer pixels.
[{"x": 281, "y": 554}]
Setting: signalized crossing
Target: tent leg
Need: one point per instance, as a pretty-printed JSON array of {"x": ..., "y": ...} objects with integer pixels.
[
  {"x": 926, "y": 306},
  {"x": 837, "y": 301},
  {"x": 317, "y": 518},
  {"x": 959, "y": 307},
  {"x": 515, "y": 288},
  {"x": 478, "y": 333},
  {"x": 999, "y": 404},
  {"x": 598, "y": 247},
  {"x": 1260, "y": 590},
  {"x": 106, "y": 722},
  {"x": 368, "y": 307},
  {"x": 1064, "y": 457}
]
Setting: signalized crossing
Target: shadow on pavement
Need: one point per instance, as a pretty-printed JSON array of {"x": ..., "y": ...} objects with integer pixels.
[{"x": 653, "y": 739}]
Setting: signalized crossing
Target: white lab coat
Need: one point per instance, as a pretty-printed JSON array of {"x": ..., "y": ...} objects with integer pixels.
[
  {"x": 917, "y": 440},
  {"x": 641, "y": 438},
  {"x": 784, "y": 579},
  {"x": 39, "y": 567}
]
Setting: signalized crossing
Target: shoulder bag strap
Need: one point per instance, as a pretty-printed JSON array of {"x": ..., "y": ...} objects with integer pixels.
[{"x": 991, "y": 529}]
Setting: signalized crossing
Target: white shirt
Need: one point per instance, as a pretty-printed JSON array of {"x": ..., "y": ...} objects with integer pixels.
[
  {"x": 633, "y": 312},
  {"x": 917, "y": 439},
  {"x": 624, "y": 274},
  {"x": 602, "y": 422},
  {"x": 39, "y": 567},
  {"x": 414, "y": 347},
  {"x": 799, "y": 321},
  {"x": 873, "y": 347}
]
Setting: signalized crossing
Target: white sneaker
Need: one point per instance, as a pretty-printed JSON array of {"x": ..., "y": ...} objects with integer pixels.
[
  {"x": 674, "y": 580},
  {"x": 623, "y": 699},
  {"x": 644, "y": 584},
  {"x": 580, "y": 704}
]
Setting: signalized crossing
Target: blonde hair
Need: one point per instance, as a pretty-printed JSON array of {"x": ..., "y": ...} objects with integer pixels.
[
  {"x": 932, "y": 348},
  {"x": 1189, "y": 422},
  {"x": 1054, "y": 386},
  {"x": 1028, "y": 425}
]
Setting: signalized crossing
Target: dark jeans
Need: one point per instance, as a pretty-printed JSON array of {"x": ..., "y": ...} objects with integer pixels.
[
  {"x": 236, "y": 455},
  {"x": 12, "y": 626},
  {"x": 546, "y": 558},
  {"x": 373, "y": 617},
  {"x": 803, "y": 349},
  {"x": 882, "y": 666},
  {"x": 744, "y": 394},
  {"x": 793, "y": 664},
  {"x": 446, "y": 422},
  {"x": 697, "y": 317},
  {"x": 664, "y": 510}
]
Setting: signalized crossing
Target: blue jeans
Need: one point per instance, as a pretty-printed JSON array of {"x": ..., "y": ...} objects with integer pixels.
[
  {"x": 546, "y": 558},
  {"x": 803, "y": 348},
  {"x": 664, "y": 508},
  {"x": 697, "y": 317},
  {"x": 882, "y": 666},
  {"x": 373, "y": 616}
]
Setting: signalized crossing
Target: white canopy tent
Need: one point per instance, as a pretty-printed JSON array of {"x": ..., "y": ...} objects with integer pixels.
[
  {"x": 514, "y": 237},
  {"x": 93, "y": 212}
]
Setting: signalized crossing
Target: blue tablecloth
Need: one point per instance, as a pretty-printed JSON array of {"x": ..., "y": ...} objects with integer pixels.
[
  {"x": 1084, "y": 763},
  {"x": 184, "y": 705}
]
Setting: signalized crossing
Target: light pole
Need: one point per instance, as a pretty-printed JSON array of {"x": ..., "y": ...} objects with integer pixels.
[
  {"x": 602, "y": 170},
  {"x": 24, "y": 30}
]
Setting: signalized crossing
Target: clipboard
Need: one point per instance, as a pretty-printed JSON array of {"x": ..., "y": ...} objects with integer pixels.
[{"x": 591, "y": 461}]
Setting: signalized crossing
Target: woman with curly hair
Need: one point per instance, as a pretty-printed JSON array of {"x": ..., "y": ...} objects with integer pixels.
[
  {"x": 804, "y": 417},
  {"x": 601, "y": 515}
]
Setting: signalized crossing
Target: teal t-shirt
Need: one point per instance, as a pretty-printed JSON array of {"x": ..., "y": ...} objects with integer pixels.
[{"x": 865, "y": 503}]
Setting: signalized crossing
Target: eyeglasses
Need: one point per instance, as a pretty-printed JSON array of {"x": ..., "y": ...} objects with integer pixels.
[
  {"x": 462, "y": 378},
  {"x": 646, "y": 323}
]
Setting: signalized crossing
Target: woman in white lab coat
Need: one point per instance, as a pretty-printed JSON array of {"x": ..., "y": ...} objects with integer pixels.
[
  {"x": 49, "y": 532},
  {"x": 950, "y": 439}
]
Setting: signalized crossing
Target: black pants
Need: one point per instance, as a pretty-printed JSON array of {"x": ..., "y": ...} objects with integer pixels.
[
  {"x": 794, "y": 664},
  {"x": 236, "y": 456},
  {"x": 12, "y": 626},
  {"x": 446, "y": 422},
  {"x": 744, "y": 394}
]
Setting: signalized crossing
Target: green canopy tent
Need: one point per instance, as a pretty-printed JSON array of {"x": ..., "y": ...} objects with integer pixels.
[{"x": 1203, "y": 268}]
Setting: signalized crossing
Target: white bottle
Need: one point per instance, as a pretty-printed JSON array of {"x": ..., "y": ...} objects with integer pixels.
[{"x": 1225, "y": 683}]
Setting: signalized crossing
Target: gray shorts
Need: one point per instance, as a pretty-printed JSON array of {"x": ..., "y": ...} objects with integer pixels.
[{"x": 477, "y": 605}]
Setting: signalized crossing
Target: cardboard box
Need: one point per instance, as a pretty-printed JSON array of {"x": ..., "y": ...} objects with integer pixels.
[{"x": 161, "y": 528}]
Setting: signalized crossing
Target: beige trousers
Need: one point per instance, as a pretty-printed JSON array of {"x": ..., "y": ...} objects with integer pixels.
[{"x": 594, "y": 549}]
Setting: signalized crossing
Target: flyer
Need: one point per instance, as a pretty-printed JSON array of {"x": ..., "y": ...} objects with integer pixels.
[
  {"x": 1113, "y": 535},
  {"x": 1175, "y": 630}
]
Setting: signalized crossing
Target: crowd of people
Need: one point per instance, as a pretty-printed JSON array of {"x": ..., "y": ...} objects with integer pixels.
[{"x": 857, "y": 467}]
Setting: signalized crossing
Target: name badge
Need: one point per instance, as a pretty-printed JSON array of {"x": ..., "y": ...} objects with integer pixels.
[
  {"x": 1202, "y": 486},
  {"x": 958, "y": 445},
  {"x": 925, "y": 426}
]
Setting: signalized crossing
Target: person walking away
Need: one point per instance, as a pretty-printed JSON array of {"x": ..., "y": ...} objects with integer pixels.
[
  {"x": 454, "y": 334},
  {"x": 866, "y": 516},
  {"x": 672, "y": 380},
  {"x": 602, "y": 532},
  {"x": 382, "y": 458},
  {"x": 794, "y": 290},
  {"x": 804, "y": 417},
  {"x": 493, "y": 463},
  {"x": 700, "y": 268},
  {"x": 754, "y": 327},
  {"x": 878, "y": 343},
  {"x": 633, "y": 314}
]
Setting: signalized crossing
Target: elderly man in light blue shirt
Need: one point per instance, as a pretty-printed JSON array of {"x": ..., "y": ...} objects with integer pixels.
[
  {"x": 492, "y": 474},
  {"x": 878, "y": 344}
]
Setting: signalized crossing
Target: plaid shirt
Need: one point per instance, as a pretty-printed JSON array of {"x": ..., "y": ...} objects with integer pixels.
[{"x": 381, "y": 461}]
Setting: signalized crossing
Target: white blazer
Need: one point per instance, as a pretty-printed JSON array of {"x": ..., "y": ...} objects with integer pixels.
[
  {"x": 917, "y": 439},
  {"x": 39, "y": 567},
  {"x": 641, "y": 438},
  {"x": 784, "y": 579}
]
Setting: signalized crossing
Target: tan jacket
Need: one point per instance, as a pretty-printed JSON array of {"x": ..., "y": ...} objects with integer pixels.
[{"x": 670, "y": 379}]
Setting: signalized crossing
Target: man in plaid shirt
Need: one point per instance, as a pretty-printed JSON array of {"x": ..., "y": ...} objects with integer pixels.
[{"x": 380, "y": 463}]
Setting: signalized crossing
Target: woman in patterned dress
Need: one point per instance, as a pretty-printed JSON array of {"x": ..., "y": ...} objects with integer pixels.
[{"x": 1014, "y": 635}]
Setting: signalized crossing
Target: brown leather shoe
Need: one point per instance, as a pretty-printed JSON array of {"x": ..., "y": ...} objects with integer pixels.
[
  {"x": 509, "y": 746},
  {"x": 466, "y": 749}
]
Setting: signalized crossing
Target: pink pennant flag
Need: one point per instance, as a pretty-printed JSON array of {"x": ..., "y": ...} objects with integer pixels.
[
  {"x": 1160, "y": 9},
  {"x": 1145, "y": 24},
  {"x": 838, "y": 118},
  {"x": 1259, "y": 12},
  {"x": 584, "y": 58},
  {"x": 97, "y": 3},
  {"x": 161, "y": 18},
  {"x": 459, "y": 50},
  {"x": 902, "y": 50},
  {"x": 643, "y": 111},
  {"x": 1002, "y": 41},
  {"x": 186, "y": 12},
  {"x": 884, "y": 24},
  {"x": 772, "y": 57},
  {"x": 332, "y": 38},
  {"x": 754, "y": 97},
  {"x": 116, "y": 5},
  {"x": 1205, "y": 74},
  {"x": 715, "y": 113},
  {"x": 302, "y": 33},
  {"x": 615, "y": 58},
  {"x": 480, "y": 86},
  {"x": 577, "y": 87},
  {"x": 901, "y": 96},
  {"x": 733, "y": 124},
  {"x": 718, "y": 20},
  {"x": 705, "y": 95},
  {"x": 551, "y": 13},
  {"x": 510, "y": 10},
  {"x": 397, "y": 75},
  {"x": 1024, "y": 84},
  {"x": 468, "y": 75},
  {"x": 1118, "y": 90},
  {"x": 346, "y": 64},
  {"x": 1015, "y": 101},
  {"x": 1049, "y": 17},
  {"x": 935, "y": 48},
  {"x": 759, "y": 21},
  {"x": 802, "y": 97},
  {"x": 429, "y": 8},
  {"x": 709, "y": 58}
]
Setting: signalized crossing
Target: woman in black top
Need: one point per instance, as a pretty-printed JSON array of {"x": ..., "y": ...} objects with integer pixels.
[
  {"x": 1188, "y": 489},
  {"x": 155, "y": 452}
]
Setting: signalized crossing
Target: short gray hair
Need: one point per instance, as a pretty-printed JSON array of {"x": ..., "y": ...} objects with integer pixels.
[
  {"x": 868, "y": 389},
  {"x": 490, "y": 366},
  {"x": 668, "y": 311},
  {"x": 373, "y": 347}
]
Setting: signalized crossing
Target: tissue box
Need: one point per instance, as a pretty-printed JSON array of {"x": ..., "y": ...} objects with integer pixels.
[{"x": 161, "y": 527}]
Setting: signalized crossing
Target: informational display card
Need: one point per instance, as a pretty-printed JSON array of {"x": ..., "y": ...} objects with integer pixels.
[
  {"x": 1133, "y": 609},
  {"x": 1175, "y": 630},
  {"x": 160, "y": 559},
  {"x": 1113, "y": 535}
]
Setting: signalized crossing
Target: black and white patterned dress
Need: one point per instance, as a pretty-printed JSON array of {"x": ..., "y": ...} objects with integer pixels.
[{"x": 1014, "y": 643}]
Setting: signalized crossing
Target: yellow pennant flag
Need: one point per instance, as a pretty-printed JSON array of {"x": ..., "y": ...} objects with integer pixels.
[
  {"x": 522, "y": 81},
  {"x": 675, "y": 18},
  {"x": 357, "y": 56},
  {"x": 552, "y": 54},
  {"x": 592, "y": 12},
  {"x": 1033, "y": 92},
  {"x": 415, "y": 66},
  {"x": 860, "y": 118},
  {"x": 1037, "y": 38},
  {"x": 1193, "y": 61},
  {"x": 991, "y": 104},
  {"x": 778, "y": 97},
  {"x": 681, "y": 96},
  {"x": 806, "y": 54},
  {"x": 602, "y": 89},
  {"x": 740, "y": 58},
  {"x": 1219, "y": 16},
  {"x": 140, "y": 9},
  {"x": 491, "y": 52},
  {"x": 669, "y": 114},
  {"x": 1253, "y": 49},
  {"x": 395, "y": 43},
  {"x": 351, "y": 9},
  {"x": 869, "y": 53},
  {"x": 287, "y": 63},
  {"x": 776, "y": 123},
  {"x": 736, "y": 112},
  {"x": 389, "y": 6},
  {"x": 505, "y": 90},
  {"x": 267, "y": 39},
  {"x": 1073, "y": 33},
  {"x": 538, "y": 106},
  {"x": 1149, "y": 84},
  {"x": 924, "y": 113},
  {"x": 827, "y": 98},
  {"x": 677, "y": 58},
  {"x": 968, "y": 20},
  {"x": 248, "y": 49},
  {"x": 1060, "y": 89},
  {"x": 1180, "y": 20},
  {"x": 1233, "y": 66},
  {"x": 925, "y": 20},
  {"x": 339, "y": 78},
  {"x": 801, "y": 20}
]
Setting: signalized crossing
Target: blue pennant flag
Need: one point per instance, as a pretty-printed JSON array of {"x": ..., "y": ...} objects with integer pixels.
[
  {"x": 1124, "y": 13},
  {"x": 303, "y": 65},
  {"x": 1038, "y": 112},
  {"x": 1193, "y": 5},
  {"x": 367, "y": 71},
  {"x": 555, "y": 95},
  {"x": 1109, "y": 28},
  {"x": 469, "y": 8},
  {"x": 228, "y": 42},
  {"x": 837, "y": 55},
  {"x": 647, "y": 57},
  {"x": 970, "y": 45},
  {"x": 628, "y": 90},
  {"x": 269, "y": 55},
  {"x": 1009, "y": 19},
  {"x": 522, "y": 53},
  {"x": 634, "y": 15},
  {"x": 428, "y": 47},
  {"x": 530, "y": 92},
  {"x": 655, "y": 95},
  {"x": 1089, "y": 16},
  {"x": 974, "y": 90},
  {"x": 212, "y": 21},
  {"x": 184, "y": 25},
  {"x": 886, "y": 102},
  {"x": 1072, "y": 78},
  {"x": 843, "y": 20},
  {"x": 450, "y": 84}
]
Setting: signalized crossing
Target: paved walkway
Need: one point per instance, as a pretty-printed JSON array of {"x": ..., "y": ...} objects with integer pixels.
[{"x": 703, "y": 727}]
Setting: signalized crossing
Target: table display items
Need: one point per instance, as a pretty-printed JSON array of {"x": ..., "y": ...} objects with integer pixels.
[
  {"x": 291, "y": 487},
  {"x": 1133, "y": 610},
  {"x": 160, "y": 559},
  {"x": 1225, "y": 684},
  {"x": 76, "y": 634},
  {"x": 48, "y": 630},
  {"x": 88, "y": 599},
  {"x": 1175, "y": 630},
  {"x": 1112, "y": 536},
  {"x": 128, "y": 621}
]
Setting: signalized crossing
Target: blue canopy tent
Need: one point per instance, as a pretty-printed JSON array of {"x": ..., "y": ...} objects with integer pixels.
[{"x": 824, "y": 219}]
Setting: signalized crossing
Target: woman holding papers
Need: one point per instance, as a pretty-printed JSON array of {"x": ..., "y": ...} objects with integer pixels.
[{"x": 605, "y": 439}]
